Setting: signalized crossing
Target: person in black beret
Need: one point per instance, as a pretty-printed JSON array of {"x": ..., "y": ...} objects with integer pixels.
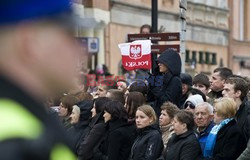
[{"x": 186, "y": 80}]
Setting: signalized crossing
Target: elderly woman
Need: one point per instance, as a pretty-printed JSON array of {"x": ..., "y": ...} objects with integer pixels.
[
  {"x": 75, "y": 115},
  {"x": 225, "y": 141},
  {"x": 183, "y": 145},
  {"x": 148, "y": 144},
  {"x": 168, "y": 111},
  {"x": 80, "y": 118}
]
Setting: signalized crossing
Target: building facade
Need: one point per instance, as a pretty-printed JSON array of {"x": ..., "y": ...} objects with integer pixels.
[
  {"x": 239, "y": 48},
  {"x": 92, "y": 17},
  {"x": 217, "y": 31}
]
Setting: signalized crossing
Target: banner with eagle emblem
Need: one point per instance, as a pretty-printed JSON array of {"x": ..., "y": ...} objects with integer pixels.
[{"x": 136, "y": 55}]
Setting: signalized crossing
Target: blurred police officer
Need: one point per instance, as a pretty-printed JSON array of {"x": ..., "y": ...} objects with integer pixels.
[{"x": 37, "y": 59}]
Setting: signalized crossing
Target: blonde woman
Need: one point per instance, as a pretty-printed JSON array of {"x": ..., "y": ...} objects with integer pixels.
[
  {"x": 225, "y": 141},
  {"x": 148, "y": 144}
]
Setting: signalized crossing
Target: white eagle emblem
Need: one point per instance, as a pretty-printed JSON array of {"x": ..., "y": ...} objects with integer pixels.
[{"x": 135, "y": 51}]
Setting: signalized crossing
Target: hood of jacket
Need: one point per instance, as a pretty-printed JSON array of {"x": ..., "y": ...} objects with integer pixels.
[
  {"x": 85, "y": 110},
  {"x": 172, "y": 60},
  {"x": 195, "y": 99}
]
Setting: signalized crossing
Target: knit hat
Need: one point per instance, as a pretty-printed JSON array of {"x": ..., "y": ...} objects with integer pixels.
[
  {"x": 194, "y": 99},
  {"x": 12, "y": 11},
  {"x": 186, "y": 79},
  {"x": 85, "y": 109}
]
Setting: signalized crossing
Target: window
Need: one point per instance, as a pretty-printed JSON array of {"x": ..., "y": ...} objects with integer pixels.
[
  {"x": 201, "y": 59},
  {"x": 187, "y": 56},
  {"x": 207, "y": 58},
  {"x": 214, "y": 60},
  {"x": 194, "y": 56}
]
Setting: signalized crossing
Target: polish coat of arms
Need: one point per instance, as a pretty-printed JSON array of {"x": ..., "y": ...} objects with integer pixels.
[{"x": 135, "y": 51}]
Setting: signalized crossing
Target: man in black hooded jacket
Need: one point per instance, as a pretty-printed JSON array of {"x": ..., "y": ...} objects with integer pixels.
[{"x": 165, "y": 85}]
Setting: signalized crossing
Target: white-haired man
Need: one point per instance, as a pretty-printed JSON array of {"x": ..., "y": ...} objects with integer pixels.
[{"x": 204, "y": 121}]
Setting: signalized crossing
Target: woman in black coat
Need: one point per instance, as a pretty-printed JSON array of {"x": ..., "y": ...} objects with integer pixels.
[
  {"x": 165, "y": 85},
  {"x": 183, "y": 145},
  {"x": 94, "y": 132},
  {"x": 117, "y": 142},
  {"x": 148, "y": 144},
  {"x": 225, "y": 141}
]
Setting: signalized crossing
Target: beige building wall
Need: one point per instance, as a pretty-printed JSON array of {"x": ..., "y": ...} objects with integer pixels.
[
  {"x": 241, "y": 52},
  {"x": 247, "y": 20},
  {"x": 116, "y": 34},
  {"x": 221, "y": 57},
  {"x": 235, "y": 14},
  {"x": 239, "y": 42},
  {"x": 127, "y": 16},
  {"x": 207, "y": 28}
]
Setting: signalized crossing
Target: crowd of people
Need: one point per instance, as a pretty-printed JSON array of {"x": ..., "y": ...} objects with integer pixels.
[{"x": 168, "y": 115}]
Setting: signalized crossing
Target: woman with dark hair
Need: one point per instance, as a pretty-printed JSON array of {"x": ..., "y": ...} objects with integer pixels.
[
  {"x": 145, "y": 29},
  {"x": 132, "y": 102},
  {"x": 95, "y": 130},
  {"x": 148, "y": 144},
  {"x": 183, "y": 144},
  {"x": 65, "y": 109},
  {"x": 118, "y": 140},
  {"x": 98, "y": 106}
]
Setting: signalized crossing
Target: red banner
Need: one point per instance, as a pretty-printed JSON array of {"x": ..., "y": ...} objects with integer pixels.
[{"x": 136, "y": 55}]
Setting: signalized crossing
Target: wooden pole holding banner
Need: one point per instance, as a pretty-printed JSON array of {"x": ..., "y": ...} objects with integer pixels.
[{"x": 154, "y": 25}]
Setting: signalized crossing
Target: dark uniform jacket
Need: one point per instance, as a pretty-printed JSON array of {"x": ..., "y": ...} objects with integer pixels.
[
  {"x": 94, "y": 134},
  {"x": 148, "y": 144},
  {"x": 182, "y": 147},
  {"x": 242, "y": 117},
  {"x": 116, "y": 145},
  {"x": 27, "y": 132}
]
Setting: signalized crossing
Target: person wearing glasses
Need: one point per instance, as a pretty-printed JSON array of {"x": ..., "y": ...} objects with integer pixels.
[
  {"x": 192, "y": 101},
  {"x": 225, "y": 141}
]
